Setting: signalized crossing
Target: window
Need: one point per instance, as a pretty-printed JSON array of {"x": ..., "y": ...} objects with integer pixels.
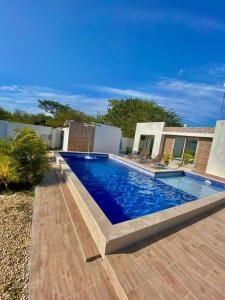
[
  {"x": 184, "y": 150},
  {"x": 146, "y": 142}
]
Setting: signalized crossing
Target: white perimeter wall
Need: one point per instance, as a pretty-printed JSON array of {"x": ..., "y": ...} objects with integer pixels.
[
  {"x": 126, "y": 143},
  {"x": 107, "y": 139},
  {"x": 65, "y": 138},
  {"x": 52, "y": 136},
  {"x": 150, "y": 128},
  {"x": 216, "y": 162}
]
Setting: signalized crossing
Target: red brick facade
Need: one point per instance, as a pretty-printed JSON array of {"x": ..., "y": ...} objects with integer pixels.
[
  {"x": 78, "y": 137},
  {"x": 202, "y": 155},
  {"x": 168, "y": 145}
]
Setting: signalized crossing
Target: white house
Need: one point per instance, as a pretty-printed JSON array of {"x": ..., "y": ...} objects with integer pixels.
[{"x": 205, "y": 145}]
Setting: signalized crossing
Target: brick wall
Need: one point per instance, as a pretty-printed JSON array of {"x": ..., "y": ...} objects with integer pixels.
[
  {"x": 202, "y": 155},
  {"x": 189, "y": 129},
  {"x": 168, "y": 145},
  {"x": 78, "y": 137}
]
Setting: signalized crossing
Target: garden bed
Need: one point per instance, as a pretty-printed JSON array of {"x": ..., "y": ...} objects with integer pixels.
[{"x": 15, "y": 227}]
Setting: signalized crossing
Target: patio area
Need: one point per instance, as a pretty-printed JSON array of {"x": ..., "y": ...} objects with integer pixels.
[{"x": 186, "y": 262}]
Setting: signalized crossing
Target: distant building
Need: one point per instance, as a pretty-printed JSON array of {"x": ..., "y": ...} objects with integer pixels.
[
  {"x": 52, "y": 136},
  {"x": 205, "y": 147},
  {"x": 79, "y": 136}
]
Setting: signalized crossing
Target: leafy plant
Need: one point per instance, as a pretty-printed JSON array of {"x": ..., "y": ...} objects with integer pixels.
[
  {"x": 167, "y": 157},
  {"x": 8, "y": 171},
  {"x": 128, "y": 150},
  {"x": 188, "y": 158},
  {"x": 29, "y": 150}
]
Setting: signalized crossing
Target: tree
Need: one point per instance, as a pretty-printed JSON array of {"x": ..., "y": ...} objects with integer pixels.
[
  {"x": 52, "y": 107},
  {"x": 59, "y": 113},
  {"x": 4, "y": 114},
  {"x": 28, "y": 118},
  {"x": 126, "y": 113}
]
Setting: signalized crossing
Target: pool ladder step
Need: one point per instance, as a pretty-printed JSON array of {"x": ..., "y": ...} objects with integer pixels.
[{"x": 86, "y": 242}]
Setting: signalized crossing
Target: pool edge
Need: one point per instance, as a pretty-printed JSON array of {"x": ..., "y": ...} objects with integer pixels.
[{"x": 110, "y": 238}]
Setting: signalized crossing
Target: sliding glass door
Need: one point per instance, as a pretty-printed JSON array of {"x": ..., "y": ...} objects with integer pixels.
[
  {"x": 178, "y": 148},
  {"x": 184, "y": 150},
  {"x": 146, "y": 142}
]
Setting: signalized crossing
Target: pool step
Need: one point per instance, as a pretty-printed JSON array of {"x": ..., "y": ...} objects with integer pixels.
[{"x": 87, "y": 244}]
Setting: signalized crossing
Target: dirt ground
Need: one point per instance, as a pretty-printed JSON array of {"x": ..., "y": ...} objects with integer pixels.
[{"x": 15, "y": 229}]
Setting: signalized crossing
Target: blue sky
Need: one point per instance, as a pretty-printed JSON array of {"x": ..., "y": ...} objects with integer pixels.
[{"x": 85, "y": 52}]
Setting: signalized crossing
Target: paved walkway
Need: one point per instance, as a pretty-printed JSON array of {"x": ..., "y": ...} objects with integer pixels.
[
  {"x": 58, "y": 269},
  {"x": 187, "y": 262},
  {"x": 184, "y": 263}
]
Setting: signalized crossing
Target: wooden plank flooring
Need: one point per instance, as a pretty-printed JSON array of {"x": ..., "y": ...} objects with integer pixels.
[
  {"x": 57, "y": 267},
  {"x": 88, "y": 247},
  {"x": 187, "y": 262}
]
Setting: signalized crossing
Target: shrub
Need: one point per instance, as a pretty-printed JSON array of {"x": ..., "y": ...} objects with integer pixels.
[
  {"x": 5, "y": 147},
  {"x": 188, "y": 158},
  {"x": 128, "y": 150},
  {"x": 167, "y": 157},
  {"x": 8, "y": 172},
  {"x": 29, "y": 150}
]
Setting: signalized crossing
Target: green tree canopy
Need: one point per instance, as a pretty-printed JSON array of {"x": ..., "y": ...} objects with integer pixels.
[
  {"x": 126, "y": 113},
  {"x": 52, "y": 107},
  {"x": 123, "y": 113},
  {"x": 4, "y": 114},
  {"x": 58, "y": 113}
]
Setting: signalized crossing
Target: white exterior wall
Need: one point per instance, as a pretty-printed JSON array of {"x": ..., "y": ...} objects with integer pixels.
[
  {"x": 56, "y": 138},
  {"x": 107, "y": 139},
  {"x": 126, "y": 143},
  {"x": 151, "y": 128},
  {"x": 52, "y": 136},
  {"x": 216, "y": 162},
  {"x": 3, "y": 129},
  {"x": 65, "y": 138}
]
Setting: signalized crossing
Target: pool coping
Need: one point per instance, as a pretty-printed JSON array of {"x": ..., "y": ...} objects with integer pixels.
[{"x": 110, "y": 238}]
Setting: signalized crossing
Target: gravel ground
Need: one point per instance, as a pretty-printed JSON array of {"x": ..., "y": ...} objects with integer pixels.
[{"x": 15, "y": 227}]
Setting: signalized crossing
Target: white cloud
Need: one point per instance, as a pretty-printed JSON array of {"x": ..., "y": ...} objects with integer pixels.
[
  {"x": 199, "y": 103},
  {"x": 121, "y": 92},
  {"x": 25, "y": 98}
]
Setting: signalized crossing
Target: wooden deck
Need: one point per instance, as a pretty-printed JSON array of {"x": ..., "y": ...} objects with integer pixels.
[
  {"x": 187, "y": 262},
  {"x": 58, "y": 269}
]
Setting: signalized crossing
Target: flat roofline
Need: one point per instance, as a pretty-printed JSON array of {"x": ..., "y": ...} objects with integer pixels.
[{"x": 189, "y": 133}]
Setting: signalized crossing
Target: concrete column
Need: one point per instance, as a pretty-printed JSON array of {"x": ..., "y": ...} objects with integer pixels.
[{"x": 216, "y": 162}]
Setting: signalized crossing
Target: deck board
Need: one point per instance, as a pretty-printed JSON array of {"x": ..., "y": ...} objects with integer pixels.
[
  {"x": 186, "y": 262},
  {"x": 57, "y": 266}
]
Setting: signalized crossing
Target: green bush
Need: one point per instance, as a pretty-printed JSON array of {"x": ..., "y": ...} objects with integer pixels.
[
  {"x": 167, "y": 158},
  {"x": 188, "y": 158},
  {"x": 8, "y": 172},
  {"x": 29, "y": 150},
  {"x": 23, "y": 159}
]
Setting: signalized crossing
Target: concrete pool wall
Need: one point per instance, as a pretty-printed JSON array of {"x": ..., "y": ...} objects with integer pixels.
[{"x": 110, "y": 238}]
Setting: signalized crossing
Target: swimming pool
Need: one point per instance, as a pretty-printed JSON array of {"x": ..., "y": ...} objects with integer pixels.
[{"x": 124, "y": 192}]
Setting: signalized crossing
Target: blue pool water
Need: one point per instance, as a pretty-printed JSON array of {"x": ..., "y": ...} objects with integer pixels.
[
  {"x": 199, "y": 189},
  {"x": 124, "y": 193}
]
